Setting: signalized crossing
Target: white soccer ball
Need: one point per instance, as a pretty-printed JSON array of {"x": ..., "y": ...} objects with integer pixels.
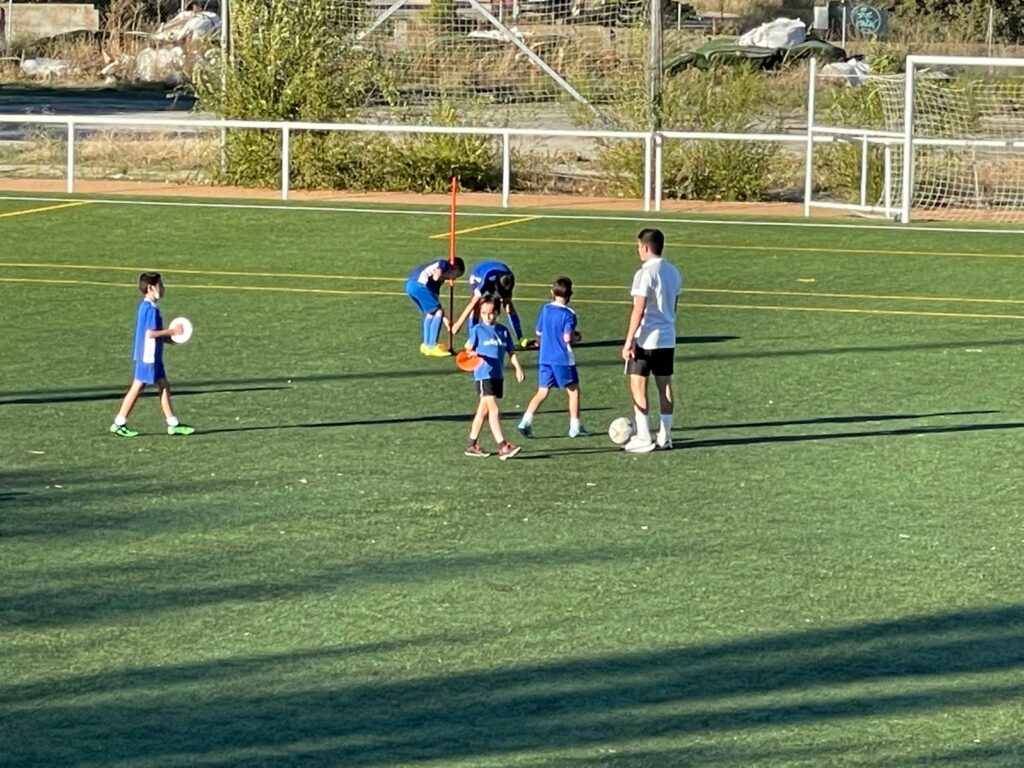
[{"x": 621, "y": 430}]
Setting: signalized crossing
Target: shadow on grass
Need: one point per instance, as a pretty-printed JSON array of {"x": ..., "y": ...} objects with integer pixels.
[
  {"x": 463, "y": 418},
  {"x": 117, "y": 592},
  {"x": 447, "y": 368},
  {"x": 855, "y": 419},
  {"x": 307, "y": 707},
  {"x": 680, "y": 340},
  {"x": 151, "y": 391}
]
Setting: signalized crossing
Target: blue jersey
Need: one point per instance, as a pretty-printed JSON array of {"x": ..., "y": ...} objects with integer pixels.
[
  {"x": 555, "y": 322},
  {"x": 424, "y": 275},
  {"x": 148, "y": 350},
  {"x": 484, "y": 277},
  {"x": 491, "y": 342}
]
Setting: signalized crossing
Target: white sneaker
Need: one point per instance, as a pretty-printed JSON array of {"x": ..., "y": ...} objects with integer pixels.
[
  {"x": 639, "y": 445},
  {"x": 581, "y": 432}
]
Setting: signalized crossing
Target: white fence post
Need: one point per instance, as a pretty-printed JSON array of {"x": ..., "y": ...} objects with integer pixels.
[
  {"x": 285, "y": 161},
  {"x": 648, "y": 162},
  {"x": 506, "y": 168},
  {"x": 71, "y": 157},
  {"x": 812, "y": 75}
]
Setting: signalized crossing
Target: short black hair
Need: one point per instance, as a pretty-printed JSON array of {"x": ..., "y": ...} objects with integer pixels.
[
  {"x": 653, "y": 239},
  {"x": 562, "y": 287},
  {"x": 505, "y": 284},
  {"x": 147, "y": 279},
  {"x": 459, "y": 265}
]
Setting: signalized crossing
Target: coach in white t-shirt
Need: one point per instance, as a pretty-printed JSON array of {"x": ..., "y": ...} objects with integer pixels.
[{"x": 650, "y": 346}]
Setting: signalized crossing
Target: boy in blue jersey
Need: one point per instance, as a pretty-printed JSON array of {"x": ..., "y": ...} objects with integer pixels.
[
  {"x": 556, "y": 331},
  {"x": 491, "y": 278},
  {"x": 149, "y": 360},
  {"x": 424, "y": 288},
  {"x": 491, "y": 340}
]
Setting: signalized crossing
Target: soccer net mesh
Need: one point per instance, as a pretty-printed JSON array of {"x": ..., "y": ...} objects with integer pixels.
[
  {"x": 967, "y": 138},
  {"x": 521, "y": 63}
]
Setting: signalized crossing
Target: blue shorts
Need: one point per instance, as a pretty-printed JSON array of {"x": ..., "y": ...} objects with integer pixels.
[
  {"x": 557, "y": 376},
  {"x": 150, "y": 373},
  {"x": 424, "y": 298}
]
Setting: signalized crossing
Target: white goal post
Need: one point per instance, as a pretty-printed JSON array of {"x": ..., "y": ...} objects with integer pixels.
[
  {"x": 963, "y": 138},
  {"x": 945, "y": 141}
]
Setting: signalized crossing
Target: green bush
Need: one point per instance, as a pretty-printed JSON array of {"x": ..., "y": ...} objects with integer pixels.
[
  {"x": 724, "y": 99},
  {"x": 296, "y": 62}
]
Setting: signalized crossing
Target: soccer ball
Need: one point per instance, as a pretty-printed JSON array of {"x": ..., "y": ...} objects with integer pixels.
[{"x": 621, "y": 430}]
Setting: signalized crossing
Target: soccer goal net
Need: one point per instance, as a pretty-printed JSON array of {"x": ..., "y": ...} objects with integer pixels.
[
  {"x": 962, "y": 154},
  {"x": 944, "y": 140}
]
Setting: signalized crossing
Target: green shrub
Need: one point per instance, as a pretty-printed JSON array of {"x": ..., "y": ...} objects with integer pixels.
[
  {"x": 724, "y": 99},
  {"x": 295, "y": 62}
]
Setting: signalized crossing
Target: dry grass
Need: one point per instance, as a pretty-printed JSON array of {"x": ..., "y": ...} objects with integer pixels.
[{"x": 180, "y": 158}]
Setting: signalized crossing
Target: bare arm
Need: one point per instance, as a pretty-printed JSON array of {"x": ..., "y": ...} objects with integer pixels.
[
  {"x": 514, "y": 359},
  {"x": 635, "y": 316},
  {"x": 466, "y": 313}
]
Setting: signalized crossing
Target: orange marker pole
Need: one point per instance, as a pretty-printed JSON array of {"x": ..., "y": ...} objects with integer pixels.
[{"x": 451, "y": 260}]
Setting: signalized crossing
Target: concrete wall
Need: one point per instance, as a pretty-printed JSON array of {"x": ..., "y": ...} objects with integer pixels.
[{"x": 31, "y": 21}]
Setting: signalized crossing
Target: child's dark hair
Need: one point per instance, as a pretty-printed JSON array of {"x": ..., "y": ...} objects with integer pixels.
[
  {"x": 505, "y": 284},
  {"x": 653, "y": 239},
  {"x": 562, "y": 288},
  {"x": 489, "y": 298},
  {"x": 147, "y": 280},
  {"x": 458, "y": 265}
]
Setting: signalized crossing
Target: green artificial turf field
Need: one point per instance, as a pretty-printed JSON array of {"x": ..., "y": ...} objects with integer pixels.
[{"x": 826, "y": 571}]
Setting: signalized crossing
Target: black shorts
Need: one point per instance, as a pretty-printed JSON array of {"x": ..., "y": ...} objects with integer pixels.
[
  {"x": 494, "y": 387},
  {"x": 651, "y": 362}
]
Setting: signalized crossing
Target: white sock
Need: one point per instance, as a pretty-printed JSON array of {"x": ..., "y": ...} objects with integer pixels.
[
  {"x": 172, "y": 421},
  {"x": 643, "y": 429},
  {"x": 527, "y": 418},
  {"x": 120, "y": 421},
  {"x": 665, "y": 431},
  {"x": 574, "y": 424}
]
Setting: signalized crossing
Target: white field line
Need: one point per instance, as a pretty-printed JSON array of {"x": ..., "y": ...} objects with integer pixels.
[{"x": 892, "y": 228}]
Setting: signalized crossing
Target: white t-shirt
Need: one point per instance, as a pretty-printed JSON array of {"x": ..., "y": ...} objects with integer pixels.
[{"x": 660, "y": 283}]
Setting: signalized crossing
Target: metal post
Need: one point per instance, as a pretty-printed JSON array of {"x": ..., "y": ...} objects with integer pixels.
[
  {"x": 843, "y": 43},
  {"x": 659, "y": 170},
  {"x": 647, "y": 171},
  {"x": 907, "y": 197},
  {"x": 71, "y": 157},
  {"x": 530, "y": 54},
  {"x": 9, "y": 27},
  {"x": 864, "y": 170},
  {"x": 224, "y": 15},
  {"x": 812, "y": 77},
  {"x": 888, "y": 179},
  {"x": 506, "y": 168},
  {"x": 656, "y": 65},
  {"x": 286, "y": 156}
]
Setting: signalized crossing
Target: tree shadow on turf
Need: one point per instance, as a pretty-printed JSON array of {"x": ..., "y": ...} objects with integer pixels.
[
  {"x": 617, "y": 343},
  {"x": 854, "y": 419},
  {"x": 820, "y": 694},
  {"x": 150, "y": 391},
  {"x": 464, "y": 418}
]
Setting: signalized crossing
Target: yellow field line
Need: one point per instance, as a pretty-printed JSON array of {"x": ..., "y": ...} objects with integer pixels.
[
  {"x": 383, "y": 279},
  {"x": 217, "y": 273},
  {"x": 334, "y": 291},
  {"x": 45, "y": 208},
  {"x": 842, "y": 310},
  {"x": 442, "y": 235},
  {"x": 761, "y": 248}
]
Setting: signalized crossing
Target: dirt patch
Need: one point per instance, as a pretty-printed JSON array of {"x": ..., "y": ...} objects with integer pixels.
[{"x": 481, "y": 199}]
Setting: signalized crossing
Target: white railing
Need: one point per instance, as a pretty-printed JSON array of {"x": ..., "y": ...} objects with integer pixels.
[{"x": 653, "y": 141}]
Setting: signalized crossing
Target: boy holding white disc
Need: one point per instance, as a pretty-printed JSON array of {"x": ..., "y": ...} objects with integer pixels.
[{"x": 148, "y": 356}]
